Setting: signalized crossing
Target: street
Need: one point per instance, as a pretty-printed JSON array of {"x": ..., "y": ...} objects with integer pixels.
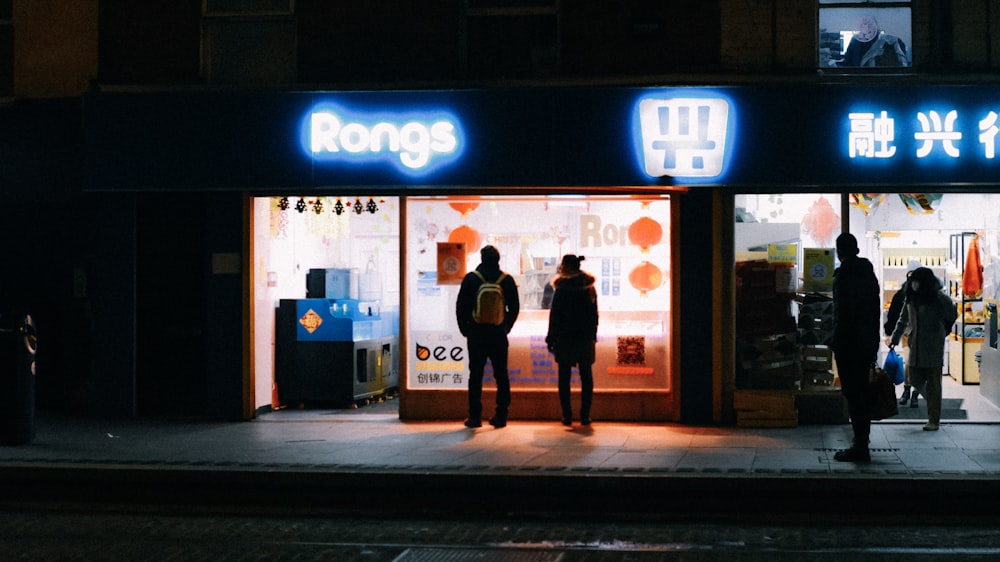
[{"x": 95, "y": 531}]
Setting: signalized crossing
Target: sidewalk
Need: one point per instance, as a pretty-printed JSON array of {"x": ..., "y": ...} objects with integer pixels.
[{"x": 314, "y": 456}]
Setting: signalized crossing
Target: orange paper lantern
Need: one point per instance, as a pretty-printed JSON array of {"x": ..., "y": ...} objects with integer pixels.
[
  {"x": 645, "y": 277},
  {"x": 468, "y": 236},
  {"x": 464, "y": 207},
  {"x": 645, "y": 232}
]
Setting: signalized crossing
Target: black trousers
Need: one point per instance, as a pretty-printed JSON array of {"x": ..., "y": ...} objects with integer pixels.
[
  {"x": 495, "y": 349},
  {"x": 853, "y": 368}
]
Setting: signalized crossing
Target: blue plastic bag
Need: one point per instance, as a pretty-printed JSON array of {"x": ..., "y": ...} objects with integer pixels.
[{"x": 894, "y": 367}]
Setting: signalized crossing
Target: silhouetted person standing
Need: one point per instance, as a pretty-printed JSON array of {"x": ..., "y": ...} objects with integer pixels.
[
  {"x": 856, "y": 318},
  {"x": 572, "y": 334},
  {"x": 485, "y": 318}
]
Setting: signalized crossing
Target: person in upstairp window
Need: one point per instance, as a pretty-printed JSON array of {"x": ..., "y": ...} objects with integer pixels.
[
  {"x": 928, "y": 315},
  {"x": 872, "y": 47}
]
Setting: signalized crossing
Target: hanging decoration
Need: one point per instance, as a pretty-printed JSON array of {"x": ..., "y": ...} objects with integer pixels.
[
  {"x": 821, "y": 221},
  {"x": 283, "y": 203},
  {"x": 645, "y": 277},
  {"x": 358, "y": 207},
  {"x": 464, "y": 207},
  {"x": 300, "y": 205},
  {"x": 338, "y": 207},
  {"x": 867, "y": 202},
  {"x": 371, "y": 207},
  {"x": 466, "y": 235},
  {"x": 317, "y": 206},
  {"x": 972, "y": 274},
  {"x": 644, "y": 233},
  {"x": 920, "y": 203}
]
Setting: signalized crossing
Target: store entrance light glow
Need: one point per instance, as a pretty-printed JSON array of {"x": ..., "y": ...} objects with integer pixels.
[{"x": 416, "y": 143}]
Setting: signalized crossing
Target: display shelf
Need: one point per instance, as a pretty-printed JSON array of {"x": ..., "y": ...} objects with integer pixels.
[{"x": 961, "y": 348}]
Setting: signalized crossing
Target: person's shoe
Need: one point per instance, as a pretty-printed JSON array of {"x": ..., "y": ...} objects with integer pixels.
[
  {"x": 585, "y": 421},
  {"x": 473, "y": 423},
  {"x": 905, "y": 397},
  {"x": 913, "y": 400},
  {"x": 854, "y": 454},
  {"x": 931, "y": 427},
  {"x": 498, "y": 421},
  {"x": 567, "y": 421}
]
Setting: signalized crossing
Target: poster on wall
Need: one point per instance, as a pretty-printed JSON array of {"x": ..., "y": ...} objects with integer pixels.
[
  {"x": 818, "y": 271},
  {"x": 450, "y": 263}
]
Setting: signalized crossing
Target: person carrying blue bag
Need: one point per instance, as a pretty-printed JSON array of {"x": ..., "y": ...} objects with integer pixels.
[
  {"x": 891, "y": 317},
  {"x": 894, "y": 367}
]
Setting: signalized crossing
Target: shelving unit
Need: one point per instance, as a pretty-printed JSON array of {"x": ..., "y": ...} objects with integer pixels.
[
  {"x": 894, "y": 263},
  {"x": 962, "y": 348}
]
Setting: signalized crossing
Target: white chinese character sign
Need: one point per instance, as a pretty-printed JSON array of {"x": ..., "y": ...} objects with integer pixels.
[
  {"x": 922, "y": 135},
  {"x": 684, "y": 137}
]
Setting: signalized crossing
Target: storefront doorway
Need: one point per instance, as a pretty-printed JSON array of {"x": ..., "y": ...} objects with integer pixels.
[{"x": 788, "y": 239}]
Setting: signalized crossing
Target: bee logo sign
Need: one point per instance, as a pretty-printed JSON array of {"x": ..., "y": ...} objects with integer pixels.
[{"x": 415, "y": 143}]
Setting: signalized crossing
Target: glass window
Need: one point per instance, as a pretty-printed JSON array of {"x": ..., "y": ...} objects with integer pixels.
[
  {"x": 860, "y": 34},
  {"x": 784, "y": 247},
  {"x": 626, "y": 245}
]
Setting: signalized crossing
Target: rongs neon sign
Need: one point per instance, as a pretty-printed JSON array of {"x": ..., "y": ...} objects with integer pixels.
[{"x": 415, "y": 142}]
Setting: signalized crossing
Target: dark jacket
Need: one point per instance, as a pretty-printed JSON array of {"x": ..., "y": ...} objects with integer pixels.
[
  {"x": 895, "y": 308},
  {"x": 856, "y": 308},
  {"x": 573, "y": 318},
  {"x": 466, "y": 303}
]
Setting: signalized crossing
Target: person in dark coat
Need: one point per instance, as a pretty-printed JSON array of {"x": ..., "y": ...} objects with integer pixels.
[
  {"x": 572, "y": 334},
  {"x": 487, "y": 341},
  {"x": 856, "y": 322},
  {"x": 891, "y": 316}
]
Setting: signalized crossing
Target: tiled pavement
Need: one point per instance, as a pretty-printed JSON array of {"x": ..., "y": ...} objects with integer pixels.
[{"x": 329, "y": 458}]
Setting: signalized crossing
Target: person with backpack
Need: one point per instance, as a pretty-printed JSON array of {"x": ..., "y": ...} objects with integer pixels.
[
  {"x": 572, "y": 334},
  {"x": 486, "y": 310},
  {"x": 928, "y": 315}
]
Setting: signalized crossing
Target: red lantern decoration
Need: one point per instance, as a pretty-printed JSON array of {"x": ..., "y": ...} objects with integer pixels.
[
  {"x": 464, "y": 207},
  {"x": 468, "y": 236},
  {"x": 644, "y": 233},
  {"x": 821, "y": 221},
  {"x": 645, "y": 277}
]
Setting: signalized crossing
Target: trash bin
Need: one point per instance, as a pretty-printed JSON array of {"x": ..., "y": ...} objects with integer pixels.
[{"x": 18, "y": 344}]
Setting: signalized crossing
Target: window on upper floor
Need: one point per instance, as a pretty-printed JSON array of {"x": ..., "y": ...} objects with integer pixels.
[{"x": 865, "y": 34}]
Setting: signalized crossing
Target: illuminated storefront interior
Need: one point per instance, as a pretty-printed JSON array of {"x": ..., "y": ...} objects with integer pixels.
[{"x": 396, "y": 294}]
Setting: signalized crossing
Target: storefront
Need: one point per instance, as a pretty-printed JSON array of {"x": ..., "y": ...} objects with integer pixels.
[{"x": 360, "y": 188}]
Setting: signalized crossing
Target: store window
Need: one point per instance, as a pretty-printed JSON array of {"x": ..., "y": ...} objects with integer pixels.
[
  {"x": 859, "y": 34},
  {"x": 626, "y": 245},
  {"x": 326, "y": 299},
  {"x": 785, "y": 257}
]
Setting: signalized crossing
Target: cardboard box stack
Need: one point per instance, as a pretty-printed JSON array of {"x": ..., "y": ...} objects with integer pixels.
[
  {"x": 815, "y": 330},
  {"x": 767, "y": 350},
  {"x": 765, "y": 408}
]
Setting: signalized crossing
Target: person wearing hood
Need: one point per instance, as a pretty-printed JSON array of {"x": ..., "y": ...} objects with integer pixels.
[
  {"x": 857, "y": 313},
  {"x": 572, "y": 334},
  {"x": 928, "y": 315},
  {"x": 891, "y": 317}
]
